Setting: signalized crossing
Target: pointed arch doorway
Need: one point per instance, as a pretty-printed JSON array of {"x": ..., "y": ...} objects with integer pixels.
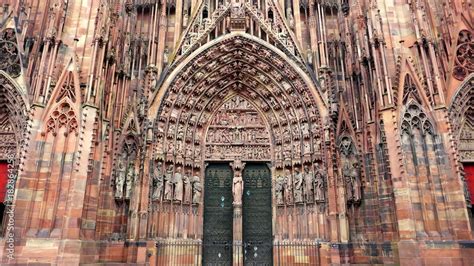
[
  {"x": 237, "y": 196},
  {"x": 191, "y": 132}
]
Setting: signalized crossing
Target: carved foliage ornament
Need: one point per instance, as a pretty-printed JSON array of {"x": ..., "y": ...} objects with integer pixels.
[{"x": 9, "y": 54}]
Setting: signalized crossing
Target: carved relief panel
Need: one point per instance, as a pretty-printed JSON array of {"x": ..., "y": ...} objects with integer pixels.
[{"x": 237, "y": 131}]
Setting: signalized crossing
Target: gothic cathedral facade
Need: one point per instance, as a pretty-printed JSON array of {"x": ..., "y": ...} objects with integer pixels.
[{"x": 237, "y": 132}]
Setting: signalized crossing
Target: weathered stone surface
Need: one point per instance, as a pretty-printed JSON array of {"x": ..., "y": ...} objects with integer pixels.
[{"x": 110, "y": 112}]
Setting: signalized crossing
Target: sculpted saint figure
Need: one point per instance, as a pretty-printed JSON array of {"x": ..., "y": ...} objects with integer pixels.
[
  {"x": 279, "y": 187},
  {"x": 188, "y": 187},
  {"x": 129, "y": 182},
  {"x": 356, "y": 184},
  {"x": 178, "y": 185},
  {"x": 308, "y": 184},
  {"x": 157, "y": 182},
  {"x": 288, "y": 187},
  {"x": 197, "y": 188},
  {"x": 120, "y": 180},
  {"x": 298, "y": 185},
  {"x": 352, "y": 180},
  {"x": 319, "y": 184},
  {"x": 346, "y": 174},
  {"x": 237, "y": 188},
  {"x": 168, "y": 183}
]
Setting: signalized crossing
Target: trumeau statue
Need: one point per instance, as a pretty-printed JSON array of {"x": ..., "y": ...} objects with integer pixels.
[
  {"x": 237, "y": 188},
  {"x": 197, "y": 188},
  {"x": 178, "y": 185},
  {"x": 157, "y": 182},
  {"x": 298, "y": 186},
  {"x": 168, "y": 183}
]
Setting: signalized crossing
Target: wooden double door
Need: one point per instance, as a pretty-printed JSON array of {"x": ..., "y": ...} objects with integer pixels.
[{"x": 218, "y": 240}]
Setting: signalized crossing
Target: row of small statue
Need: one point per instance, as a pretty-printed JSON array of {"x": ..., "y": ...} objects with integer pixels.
[
  {"x": 299, "y": 187},
  {"x": 124, "y": 179},
  {"x": 175, "y": 186}
]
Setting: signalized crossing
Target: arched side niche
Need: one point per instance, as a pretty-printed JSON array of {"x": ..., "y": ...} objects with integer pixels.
[{"x": 286, "y": 102}]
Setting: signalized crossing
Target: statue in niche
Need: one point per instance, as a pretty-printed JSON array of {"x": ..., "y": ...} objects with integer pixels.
[
  {"x": 171, "y": 129},
  {"x": 157, "y": 182},
  {"x": 317, "y": 145},
  {"x": 306, "y": 148},
  {"x": 278, "y": 154},
  {"x": 185, "y": 20},
  {"x": 237, "y": 188},
  {"x": 297, "y": 148},
  {"x": 188, "y": 187},
  {"x": 179, "y": 148},
  {"x": 279, "y": 189},
  {"x": 197, "y": 188},
  {"x": 166, "y": 53},
  {"x": 210, "y": 135},
  {"x": 178, "y": 185},
  {"x": 298, "y": 185},
  {"x": 180, "y": 132},
  {"x": 346, "y": 174},
  {"x": 326, "y": 134},
  {"x": 305, "y": 129},
  {"x": 352, "y": 180},
  {"x": 170, "y": 148},
  {"x": 197, "y": 153},
  {"x": 120, "y": 179},
  {"x": 308, "y": 184},
  {"x": 319, "y": 183},
  {"x": 129, "y": 181},
  {"x": 189, "y": 151},
  {"x": 356, "y": 183},
  {"x": 309, "y": 56},
  {"x": 168, "y": 183},
  {"x": 288, "y": 187},
  {"x": 287, "y": 152}
]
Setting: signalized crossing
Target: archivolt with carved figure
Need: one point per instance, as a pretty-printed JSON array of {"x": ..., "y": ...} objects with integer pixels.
[{"x": 239, "y": 100}]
